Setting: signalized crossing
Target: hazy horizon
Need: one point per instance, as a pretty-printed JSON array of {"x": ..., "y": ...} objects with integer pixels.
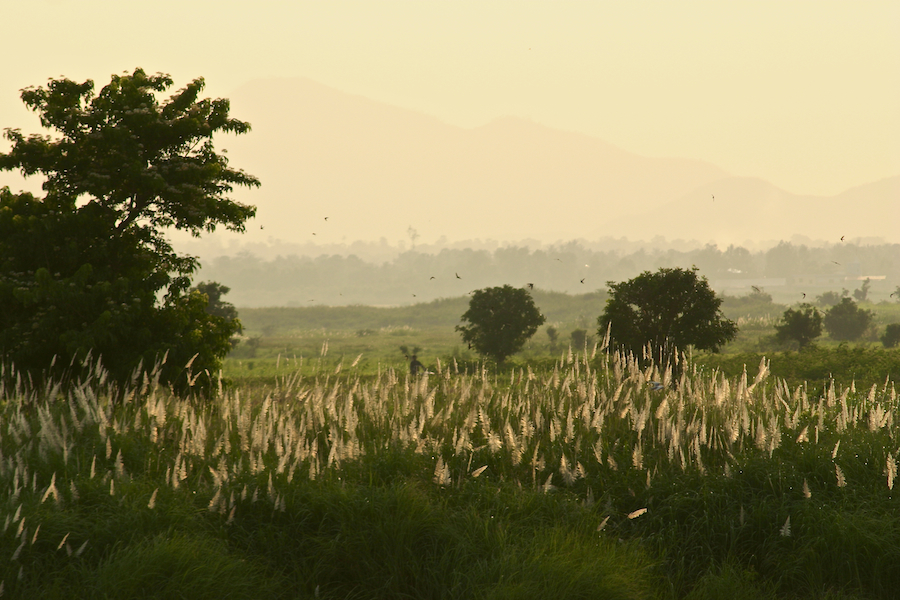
[{"x": 791, "y": 103}]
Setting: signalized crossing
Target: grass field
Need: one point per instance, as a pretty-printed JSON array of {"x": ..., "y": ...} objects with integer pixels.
[{"x": 571, "y": 480}]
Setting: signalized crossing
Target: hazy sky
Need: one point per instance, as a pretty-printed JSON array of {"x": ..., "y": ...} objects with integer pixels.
[{"x": 804, "y": 94}]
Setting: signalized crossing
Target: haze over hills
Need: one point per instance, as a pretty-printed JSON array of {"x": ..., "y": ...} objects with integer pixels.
[
  {"x": 749, "y": 208},
  {"x": 376, "y": 170}
]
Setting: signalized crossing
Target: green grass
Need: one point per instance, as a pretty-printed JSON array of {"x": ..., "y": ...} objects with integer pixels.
[{"x": 573, "y": 480}]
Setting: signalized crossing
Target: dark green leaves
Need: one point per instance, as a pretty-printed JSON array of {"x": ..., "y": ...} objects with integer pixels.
[
  {"x": 499, "y": 321},
  {"x": 88, "y": 268},
  {"x": 802, "y": 325},
  {"x": 667, "y": 310}
]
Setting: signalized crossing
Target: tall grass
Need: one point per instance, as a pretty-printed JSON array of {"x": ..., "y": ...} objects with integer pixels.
[{"x": 572, "y": 481}]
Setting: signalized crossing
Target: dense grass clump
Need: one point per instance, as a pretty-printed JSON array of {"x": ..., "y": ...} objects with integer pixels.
[{"x": 580, "y": 480}]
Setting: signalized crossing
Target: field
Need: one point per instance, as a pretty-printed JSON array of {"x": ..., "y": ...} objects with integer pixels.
[{"x": 336, "y": 478}]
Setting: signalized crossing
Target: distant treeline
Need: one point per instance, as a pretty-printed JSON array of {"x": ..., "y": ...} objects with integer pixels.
[
  {"x": 581, "y": 311},
  {"x": 413, "y": 277}
]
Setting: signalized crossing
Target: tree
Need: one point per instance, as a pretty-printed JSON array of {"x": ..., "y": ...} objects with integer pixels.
[
  {"x": 218, "y": 307},
  {"x": 214, "y": 292},
  {"x": 87, "y": 269},
  {"x": 802, "y": 325},
  {"x": 580, "y": 338},
  {"x": 863, "y": 292},
  {"x": 830, "y": 298},
  {"x": 891, "y": 336},
  {"x": 499, "y": 321},
  {"x": 667, "y": 310},
  {"x": 846, "y": 321}
]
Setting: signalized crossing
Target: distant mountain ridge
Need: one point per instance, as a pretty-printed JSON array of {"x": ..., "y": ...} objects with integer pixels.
[{"x": 376, "y": 170}]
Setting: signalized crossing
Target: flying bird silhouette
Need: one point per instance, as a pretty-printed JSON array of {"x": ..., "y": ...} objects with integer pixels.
[
  {"x": 530, "y": 286},
  {"x": 582, "y": 279},
  {"x": 430, "y": 278},
  {"x": 457, "y": 276}
]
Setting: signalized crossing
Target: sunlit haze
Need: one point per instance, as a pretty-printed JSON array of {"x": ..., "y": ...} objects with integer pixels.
[{"x": 797, "y": 99}]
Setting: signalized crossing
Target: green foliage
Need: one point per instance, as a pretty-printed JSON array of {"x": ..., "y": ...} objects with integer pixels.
[
  {"x": 862, "y": 294},
  {"x": 891, "y": 336},
  {"x": 802, "y": 325},
  {"x": 553, "y": 334},
  {"x": 846, "y": 321},
  {"x": 499, "y": 321},
  {"x": 580, "y": 481},
  {"x": 830, "y": 298},
  {"x": 667, "y": 310},
  {"x": 218, "y": 307},
  {"x": 580, "y": 339},
  {"x": 816, "y": 366},
  {"x": 87, "y": 268}
]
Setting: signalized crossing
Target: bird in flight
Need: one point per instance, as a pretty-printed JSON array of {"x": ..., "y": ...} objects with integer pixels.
[
  {"x": 582, "y": 279},
  {"x": 530, "y": 286},
  {"x": 457, "y": 276},
  {"x": 804, "y": 294},
  {"x": 835, "y": 262},
  {"x": 842, "y": 238},
  {"x": 714, "y": 197},
  {"x": 261, "y": 227},
  {"x": 755, "y": 289},
  {"x": 430, "y": 278},
  {"x": 326, "y": 218}
]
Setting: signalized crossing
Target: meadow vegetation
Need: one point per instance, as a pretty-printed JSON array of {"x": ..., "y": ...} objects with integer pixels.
[{"x": 575, "y": 480}]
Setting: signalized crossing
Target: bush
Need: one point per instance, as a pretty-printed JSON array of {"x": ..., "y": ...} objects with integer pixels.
[
  {"x": 846, "y": 321},
  {"x": 891, "y": 336}
]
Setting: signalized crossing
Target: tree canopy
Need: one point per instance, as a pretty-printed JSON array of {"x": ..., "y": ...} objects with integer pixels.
[
  {"x": 87, "y": 268},
  {"x": 499, "y": 321},
  {"x": 668, "y": 311},
  {"x": 847, "y": 321},
  {"x": 802, "y": 325}
]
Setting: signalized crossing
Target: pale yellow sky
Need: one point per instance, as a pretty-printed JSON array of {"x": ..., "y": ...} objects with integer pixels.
[{"x": 802, "y": 93}]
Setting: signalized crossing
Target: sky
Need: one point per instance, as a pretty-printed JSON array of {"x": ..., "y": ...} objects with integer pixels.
[{"x": 804, "y": 94}]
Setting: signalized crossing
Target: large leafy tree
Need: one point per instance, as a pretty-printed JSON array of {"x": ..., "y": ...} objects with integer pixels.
[
  {"x": 499, "y": 321},
  {"x": 802, "y": 325},
  {"x": 87, "y": 268},
  {"x": 668, "y": 310},
  {"x": 846, "y": 321}
]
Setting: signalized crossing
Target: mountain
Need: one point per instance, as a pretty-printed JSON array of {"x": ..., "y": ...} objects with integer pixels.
[
  {"x": 376, "y": 169},
  {"x": 745, "y": 208}
]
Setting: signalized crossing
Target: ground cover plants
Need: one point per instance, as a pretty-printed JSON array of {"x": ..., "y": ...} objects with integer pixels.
[{"x": 595, "y": 477}]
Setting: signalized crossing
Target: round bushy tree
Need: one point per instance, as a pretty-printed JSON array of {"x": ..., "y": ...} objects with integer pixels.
[
  {"x": 87, "y": 269},
  {"x": 499, "y": 321},
  {"x": 667, "y": 310},
  {"x": 802, "y": 325},
  {"x": 891, "y": 336},
  {"x": 846, "y": 321}
]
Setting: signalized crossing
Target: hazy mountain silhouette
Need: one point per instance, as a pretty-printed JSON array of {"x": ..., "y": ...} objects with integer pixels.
[
  {"x": 379, "y": 168},
  {"x": 376, "y": 169},
  {"x": 748, "y": 208}
]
